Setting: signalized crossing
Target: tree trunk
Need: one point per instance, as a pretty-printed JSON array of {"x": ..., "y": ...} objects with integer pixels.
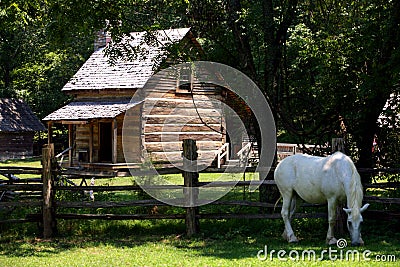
[
  {"x": 367, "y": 128},
  {"x": 379, "y": 84},
  {"x": 241, "y": 39},
  {"x": 274, "y": 40}
]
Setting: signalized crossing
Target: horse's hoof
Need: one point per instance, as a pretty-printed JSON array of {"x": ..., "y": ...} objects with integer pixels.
[
  {"x": 285, "y": 236},
  {"x": 293, "y": 239},
  {"x": 332, "y": 241}
]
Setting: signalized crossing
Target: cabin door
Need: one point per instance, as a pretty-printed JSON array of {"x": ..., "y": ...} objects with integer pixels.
[{"x": 105, "y": 141}]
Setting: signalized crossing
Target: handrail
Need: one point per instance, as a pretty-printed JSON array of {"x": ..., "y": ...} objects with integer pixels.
[
  {"x": 243, "y": 154},
  {"x": 63, "y": 152},
  {"x": 60, "y": 163},
  {"x": 222, "y": 152},
  {"x": 241, "y": 151}
]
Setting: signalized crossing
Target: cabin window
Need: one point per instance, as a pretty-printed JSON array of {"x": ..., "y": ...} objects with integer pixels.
[
  {"x": 185, "y": 81},
  {"x": 105, "y": 141}
]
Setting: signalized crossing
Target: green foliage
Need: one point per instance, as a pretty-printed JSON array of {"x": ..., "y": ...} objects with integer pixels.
[
  {"x": 32, "y": 67},
  {"x": 40, "y": 81},
  {"x": 326, "y": 67},
  {"x": 388, "y": 153}
]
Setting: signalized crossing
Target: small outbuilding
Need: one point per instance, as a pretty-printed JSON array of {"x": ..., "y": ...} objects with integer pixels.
[{"x": 18, "y": 125}]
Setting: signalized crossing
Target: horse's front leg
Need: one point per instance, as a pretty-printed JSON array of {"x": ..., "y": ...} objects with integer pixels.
[
  {"x": 330, "y": 239},
  {"x": 288, "y": 234}
]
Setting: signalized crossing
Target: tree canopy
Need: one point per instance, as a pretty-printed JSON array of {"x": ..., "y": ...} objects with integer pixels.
[{"x": 327, "y": 67}]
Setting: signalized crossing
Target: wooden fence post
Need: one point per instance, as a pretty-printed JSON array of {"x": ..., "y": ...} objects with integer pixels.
[
  {"x": 191, "y": 178},
  {"x": 338, "y": 144},
  {"x": 49, "y": 222}
]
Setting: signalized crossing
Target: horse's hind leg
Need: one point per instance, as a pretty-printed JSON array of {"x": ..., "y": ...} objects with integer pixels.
[
  {"x": 293, "y": 206},
  {"x": 288, "y": 208}
]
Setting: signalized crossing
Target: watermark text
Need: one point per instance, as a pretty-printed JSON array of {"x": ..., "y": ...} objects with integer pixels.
[{"x": 332, "y": 254}]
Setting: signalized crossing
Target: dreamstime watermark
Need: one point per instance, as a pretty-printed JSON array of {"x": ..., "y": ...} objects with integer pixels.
[
  {"x": 168, "y": 118},
  {"x": 332, "y": 254}
]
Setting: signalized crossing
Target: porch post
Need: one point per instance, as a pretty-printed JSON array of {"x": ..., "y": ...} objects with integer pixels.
[
  {"x": 70, "y": 144},
  {"x": 114, "y": 140},
  {"x": 90, "y": 142}
]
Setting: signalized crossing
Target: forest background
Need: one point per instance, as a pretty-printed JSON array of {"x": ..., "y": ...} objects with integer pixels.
[{"x": 327, "y": 67}]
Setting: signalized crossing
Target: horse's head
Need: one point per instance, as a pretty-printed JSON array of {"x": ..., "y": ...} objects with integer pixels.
[{"x": 354, "y": 220}]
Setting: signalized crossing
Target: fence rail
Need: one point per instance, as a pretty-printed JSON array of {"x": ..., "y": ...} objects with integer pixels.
[{"x": 40, "y": 192}]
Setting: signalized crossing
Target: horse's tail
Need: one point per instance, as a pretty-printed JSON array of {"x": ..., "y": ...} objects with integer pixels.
[{"x": 276, "y": 203}]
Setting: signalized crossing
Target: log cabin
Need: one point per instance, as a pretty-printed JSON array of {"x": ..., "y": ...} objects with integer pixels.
[
  {"x": 18, "y": 125},
  {"x": 108, "y": 126}
]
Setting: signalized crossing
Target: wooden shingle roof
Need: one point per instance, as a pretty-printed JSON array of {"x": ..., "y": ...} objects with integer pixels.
[
  {"x": 86, "y": 110},
  {"x": 16, "y": 116},
  {"x": 99, "y": 73}
]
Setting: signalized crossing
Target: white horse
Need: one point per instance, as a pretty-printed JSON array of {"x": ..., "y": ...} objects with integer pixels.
[{"x": 319, "y": 180}]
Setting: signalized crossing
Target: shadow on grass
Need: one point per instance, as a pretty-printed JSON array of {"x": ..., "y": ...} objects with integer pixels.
[{"x": 225, "y": 239}]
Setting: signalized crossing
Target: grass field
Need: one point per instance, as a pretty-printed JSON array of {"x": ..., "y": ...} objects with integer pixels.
[
  {"x": 162, "y": 243},
  {"x": 219, "y": 243},
  {"x": 32, "y": 162}
]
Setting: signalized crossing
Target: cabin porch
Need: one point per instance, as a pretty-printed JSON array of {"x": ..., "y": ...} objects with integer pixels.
[{"x": 95, "y": 137}]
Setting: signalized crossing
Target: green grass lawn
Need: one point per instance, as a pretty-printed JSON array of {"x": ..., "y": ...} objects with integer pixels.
[
  {"x": 162, "y": 243},
  {"x": 31, "y": 162},
  {"x": 231, "y": 242}
]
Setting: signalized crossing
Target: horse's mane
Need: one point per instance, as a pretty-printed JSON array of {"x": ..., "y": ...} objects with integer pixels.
[{"x": 356, "y": 192}]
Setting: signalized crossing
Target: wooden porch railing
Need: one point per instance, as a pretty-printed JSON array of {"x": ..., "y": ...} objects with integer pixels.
[
  {"x": 223, "y": 152},
  {"x": 243, "y": 154}
]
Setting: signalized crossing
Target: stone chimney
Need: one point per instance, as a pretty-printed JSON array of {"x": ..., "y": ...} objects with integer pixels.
[{"x": 102, "y": 39}]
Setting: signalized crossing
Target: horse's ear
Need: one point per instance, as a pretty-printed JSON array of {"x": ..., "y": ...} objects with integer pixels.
[
  {"x": 347, "y": 210},
  {"x": 364, "y": 207}
]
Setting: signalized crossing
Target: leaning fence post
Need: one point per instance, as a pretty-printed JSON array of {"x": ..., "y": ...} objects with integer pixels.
[
  {"x": 191, "y": 177},
  {"x": 49, "y": 222}
]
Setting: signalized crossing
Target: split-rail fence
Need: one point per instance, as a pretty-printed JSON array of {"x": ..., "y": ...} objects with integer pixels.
[{"x": 41, "y": 192}]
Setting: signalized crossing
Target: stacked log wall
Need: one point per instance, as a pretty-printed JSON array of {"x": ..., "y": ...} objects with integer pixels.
[
  {"x": 169, "y": 117},
  {"x": 16, "y": 145},
  {"x": 129, "y": 136}
]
